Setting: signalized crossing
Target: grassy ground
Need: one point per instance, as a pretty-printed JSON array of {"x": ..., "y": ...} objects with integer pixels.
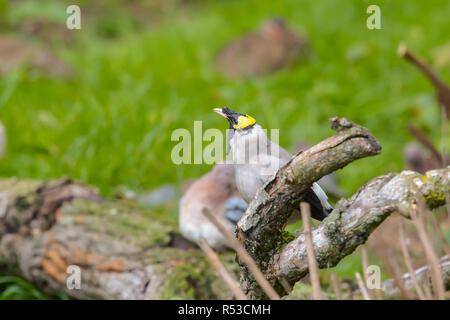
[{"x": 135, "y": 83}]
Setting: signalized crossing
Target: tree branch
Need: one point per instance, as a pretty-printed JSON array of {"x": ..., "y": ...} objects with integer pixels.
[
  {"x": 353, "y": 220},
  {"x": 260, "y": 227},
  {"x": 350, "y": 223}
]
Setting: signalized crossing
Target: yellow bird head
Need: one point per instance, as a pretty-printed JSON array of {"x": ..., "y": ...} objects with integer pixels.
[{"x": 238, "y": 121}]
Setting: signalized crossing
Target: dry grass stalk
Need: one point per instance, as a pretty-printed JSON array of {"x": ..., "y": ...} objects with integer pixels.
[
  {"x": 408, "y": 262},
  {"x": 444, "y": 135},
  {"x": 365, "y": 263},
  {"x": 443, "y": 91},
  {"x": 221, "y": 270},
  {"x": 336, "y": 286},
  {"x": 312, "y": 262},
  {"x": 243, "y": 256},
  {"x": 362, "y": 287},
  {"x": 417, "y": 214},
  {"x": 439, "y": 233},
  {"x": 427, "y": 290},
  {"x": 394, "y": 271},
  {"x": 423, "y": 139}
]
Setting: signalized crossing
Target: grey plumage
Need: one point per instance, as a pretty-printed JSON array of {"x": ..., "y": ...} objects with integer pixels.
[{"x": 257, "y": 158}]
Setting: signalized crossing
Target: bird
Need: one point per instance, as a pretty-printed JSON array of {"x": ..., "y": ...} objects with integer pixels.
[
  {"x": 262, "y": 52},
  {"x": 257, "y": 158},
  {"x": 215, "y": 191}
]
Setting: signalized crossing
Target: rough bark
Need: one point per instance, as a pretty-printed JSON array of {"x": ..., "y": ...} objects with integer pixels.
[
  {"x": 348, "y": 226},
  {"x": 124, "y": 252}
]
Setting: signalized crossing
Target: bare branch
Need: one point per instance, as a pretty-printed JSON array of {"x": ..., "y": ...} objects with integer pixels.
[
  {"x": 438, "y": 158},
  {"x": 443, "y": 91},
  {"x": 353, "y": 220}
]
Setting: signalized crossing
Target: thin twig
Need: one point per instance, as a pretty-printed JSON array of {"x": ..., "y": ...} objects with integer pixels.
[
  {"x": 361, "y": 286},
  {"x": 443, "y": 91},
  {"x": 439, "y": 233},
  {"x": 336, "y": 286},
  {"x": 244, "y": 256},
  {"x": 416, "y": 132},
  {"x": 408, "y": 262},
  {"x": 365, "y": 263},
  {"x": 397, "y": 273},
  {"x": 312, "y": 263},
  {"x": 427, "y": 290},
  {"x": 394, "y": 271},
  {"x": 221, "y": 270},
  {"x": 444, "y": 120},
  {"x": 404, "y": 52},
  {"x": 423, "y": 275},
  {"x": 417, "y": 213}
]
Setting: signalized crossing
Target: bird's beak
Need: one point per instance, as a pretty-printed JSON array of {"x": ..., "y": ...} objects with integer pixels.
[{"x": 219, "y": 111}]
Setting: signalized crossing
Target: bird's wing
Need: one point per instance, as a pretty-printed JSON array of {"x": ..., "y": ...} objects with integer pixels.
[{"x": 318, "y": 201}]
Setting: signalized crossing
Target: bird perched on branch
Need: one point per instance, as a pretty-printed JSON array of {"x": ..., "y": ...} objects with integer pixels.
[
  {"x": 217, "y": 192},
  {"x": 271, "y": 48},
  {"x": 257, "y": 158}
]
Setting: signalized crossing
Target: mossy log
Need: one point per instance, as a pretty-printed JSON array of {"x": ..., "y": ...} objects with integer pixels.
[{"x": 124, "y": 251}]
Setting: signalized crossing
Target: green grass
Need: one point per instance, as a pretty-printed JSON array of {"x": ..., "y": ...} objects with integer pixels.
[{"x": 111, "y": 125}]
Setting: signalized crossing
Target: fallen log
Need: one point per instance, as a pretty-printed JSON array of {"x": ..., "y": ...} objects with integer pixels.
[{"x": 123, "y": 251}]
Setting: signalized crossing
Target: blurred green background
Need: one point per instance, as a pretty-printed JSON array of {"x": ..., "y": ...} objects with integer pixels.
[{"x": 141, "y": 69}]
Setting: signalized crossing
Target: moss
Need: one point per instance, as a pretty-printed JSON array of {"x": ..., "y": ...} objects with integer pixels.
[
  {"x": 120, "y": 220},
  {"x": 190, "y": 276},
  {"x": 19, "y": 187}
]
